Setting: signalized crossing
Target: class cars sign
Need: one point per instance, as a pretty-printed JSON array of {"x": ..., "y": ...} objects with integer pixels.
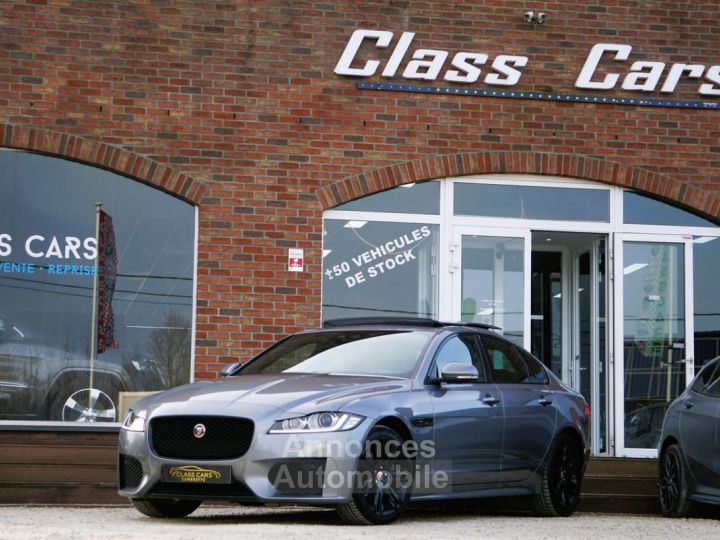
[
  {"x": 506, "y": 70},
  {"x": 53, "y": 255}
]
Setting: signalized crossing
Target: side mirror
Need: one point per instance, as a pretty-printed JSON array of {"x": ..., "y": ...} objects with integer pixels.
[
  {"x": 230, "y": 369},
  {"x": 458, "y": 372}
]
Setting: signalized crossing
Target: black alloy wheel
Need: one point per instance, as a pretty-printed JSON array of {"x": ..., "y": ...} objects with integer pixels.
[
  {"x": 165, "y": 509},
  {"x": 385, "y": 481},
  {"x": 672, "y": 486},
  {"x": 561, "y": 479}
]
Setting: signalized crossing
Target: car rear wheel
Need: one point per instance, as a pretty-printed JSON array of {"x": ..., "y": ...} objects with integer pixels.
[
  {"x": 156, "y": 508},
  {"x": 385, "y": 481},
  {"x": 672, "y": 487},
  {"x": 561, "y": 479}
]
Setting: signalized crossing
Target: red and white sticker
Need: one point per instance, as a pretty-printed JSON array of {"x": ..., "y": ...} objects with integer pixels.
[{"x": 296, "y": 260}]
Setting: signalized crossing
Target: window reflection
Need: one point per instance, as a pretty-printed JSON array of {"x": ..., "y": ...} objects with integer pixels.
[
  {"x": 493, "y": 283},
  {"x": 645, "y": 210},
  {"x": 532, "y": 202},
  {"x": 47, "y": 257},
  {"x": 379, "y": 268},
  {"x": 422, "y": 198},
  {"x": 654, "y": 337}
]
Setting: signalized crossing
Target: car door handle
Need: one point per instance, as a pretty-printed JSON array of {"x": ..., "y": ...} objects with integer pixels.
[
  {"x": 490, "y": 400},
  {"x": 689, "y": 404},
  {"x": 544, "y": 401}
]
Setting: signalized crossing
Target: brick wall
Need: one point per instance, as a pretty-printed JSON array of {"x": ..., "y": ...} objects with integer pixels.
[{"x": 239, "y": 99}]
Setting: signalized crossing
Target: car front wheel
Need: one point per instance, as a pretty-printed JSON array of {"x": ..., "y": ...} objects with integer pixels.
[
  {"x": 168, "y": 509},
  {"x": 561, "y": 479},
  {"x": 672, "y": 487},
  {"x": 383, "y": 481}
]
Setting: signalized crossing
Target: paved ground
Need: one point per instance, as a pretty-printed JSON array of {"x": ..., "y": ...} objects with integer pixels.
[{"x": 217, "y": 523}]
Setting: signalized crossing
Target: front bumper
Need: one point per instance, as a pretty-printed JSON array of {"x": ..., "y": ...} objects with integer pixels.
[{"x": 307, "y": 468}]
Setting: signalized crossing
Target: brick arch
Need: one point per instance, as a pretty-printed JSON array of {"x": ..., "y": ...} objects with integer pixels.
[
  {"x": 102, "y": 155},
  {"x": 585, "y": 168}
]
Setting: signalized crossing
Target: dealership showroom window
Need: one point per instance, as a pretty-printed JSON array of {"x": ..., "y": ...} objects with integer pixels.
[{"x": 48, "y": 253}]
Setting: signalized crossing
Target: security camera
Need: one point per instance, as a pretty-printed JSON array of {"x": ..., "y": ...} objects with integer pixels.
[
  {"x": 541, "y": 18},
  {"x": 529, "y": 17}
]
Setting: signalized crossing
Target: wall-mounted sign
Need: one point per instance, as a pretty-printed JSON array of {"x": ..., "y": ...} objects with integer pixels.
[
  {"x": 506, "y": 70},
  {"x": 295, "y": 260}
]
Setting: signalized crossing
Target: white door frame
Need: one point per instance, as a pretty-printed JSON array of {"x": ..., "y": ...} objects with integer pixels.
[
  {"x": 455, "y": 267},
  {"x": 593, "y": 249},
  {"x": 619, "y": 364}
]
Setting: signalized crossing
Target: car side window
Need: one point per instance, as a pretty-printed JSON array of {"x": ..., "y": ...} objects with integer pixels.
[
  {"x": 460, "y": 348},
  {"x": 707, "y": 377},
  {"x": 714, "y": 389},
  {"x": 536, "y": 372},
  {"x": 506, "y": 362}
]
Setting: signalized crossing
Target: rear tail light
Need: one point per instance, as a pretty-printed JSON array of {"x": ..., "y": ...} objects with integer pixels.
[{"x": 586, "y": 411}]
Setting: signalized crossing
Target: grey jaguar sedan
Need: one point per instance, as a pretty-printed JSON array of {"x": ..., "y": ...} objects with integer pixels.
[{"x": 362, "y": 415}]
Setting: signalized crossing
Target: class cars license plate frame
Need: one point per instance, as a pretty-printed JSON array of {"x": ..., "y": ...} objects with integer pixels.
[{"x": 197, "y": 474}]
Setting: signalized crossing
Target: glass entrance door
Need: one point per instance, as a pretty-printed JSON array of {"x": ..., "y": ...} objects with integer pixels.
[
  {"x": 653, "y": 335},
  {"x": 491, "y": 274}
]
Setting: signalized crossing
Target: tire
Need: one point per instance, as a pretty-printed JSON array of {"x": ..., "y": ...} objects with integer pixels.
[
  {"x": 165, "y": 509},
  {"x": 385, "y": 498},
  {"x": 673, "y": 484},
  {"x": 75, "y": 405},
  {"x": 561, "y": 479}
]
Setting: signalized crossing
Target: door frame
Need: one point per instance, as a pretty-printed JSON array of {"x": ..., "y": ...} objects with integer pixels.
[
  {"x": 619, "y": 334},
  {"x": 593, "y": 249},
  {"x": 455, "y": 266}
]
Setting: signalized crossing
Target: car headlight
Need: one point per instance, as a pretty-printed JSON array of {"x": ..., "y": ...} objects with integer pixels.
[
  {"x": 321, "y": 422},
  {"x": 133, "y": 422}
]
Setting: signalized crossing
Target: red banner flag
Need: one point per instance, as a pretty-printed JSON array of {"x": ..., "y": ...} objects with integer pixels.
[{"x": 107, "y": 271}]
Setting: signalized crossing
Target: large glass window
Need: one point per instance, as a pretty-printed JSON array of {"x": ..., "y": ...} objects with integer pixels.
[
  {"x": 647, "y": 211},
  {"x": 423, "y": 198},
  {"x": 532, "y": 202},
  {"x": 377, "y": 268},
  {"x": 653, "y": 336},
  {"x": 47, "y": 264}
]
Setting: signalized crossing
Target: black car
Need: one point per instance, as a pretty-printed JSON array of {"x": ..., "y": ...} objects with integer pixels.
[
  {"x": 40, "y": 381},
  {"x": 690, "y": 450}
]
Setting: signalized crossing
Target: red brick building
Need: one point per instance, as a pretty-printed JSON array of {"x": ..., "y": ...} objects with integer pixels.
[{"x": 261, "y": 119}]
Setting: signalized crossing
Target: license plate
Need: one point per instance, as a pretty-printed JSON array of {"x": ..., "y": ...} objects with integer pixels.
[{"x": 194, "y": 474}]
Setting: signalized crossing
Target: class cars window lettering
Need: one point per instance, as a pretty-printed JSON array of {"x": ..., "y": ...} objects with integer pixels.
[{"x": 363, "y": 352}]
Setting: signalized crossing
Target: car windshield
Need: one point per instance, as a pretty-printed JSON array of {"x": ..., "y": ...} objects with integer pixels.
[{"x": 354, "y": 352}]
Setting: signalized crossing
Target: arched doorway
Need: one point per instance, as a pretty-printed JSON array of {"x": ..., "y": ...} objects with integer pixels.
[{"x": 597, "y": 281}]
